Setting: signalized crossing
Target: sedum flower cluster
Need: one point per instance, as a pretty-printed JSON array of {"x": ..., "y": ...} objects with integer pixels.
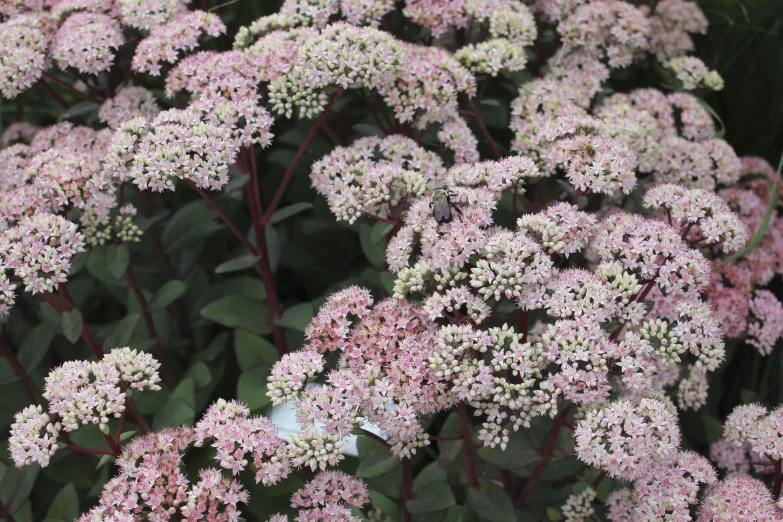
[{"x": 584, "y": 279}]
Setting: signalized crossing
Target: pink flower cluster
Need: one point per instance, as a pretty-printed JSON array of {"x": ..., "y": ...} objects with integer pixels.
[{"x": 80, "y": 393}]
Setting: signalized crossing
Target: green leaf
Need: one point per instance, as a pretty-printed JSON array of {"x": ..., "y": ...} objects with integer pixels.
[
  {"x": 489, "y": 102},
  {"x": 167, "y": 294},
  {"x": 449, "y": 449},
  {"x": 559, "y": 469},
  {"x": 35, "y": 345},
  {"x": 518, "y": 455},
  {"x": 80, "y": 109},
  {"x": 251, "y": 388},
  {"x": 117, "y": 259},
  {"x": 384, "y": 504},
  {"x": 377, "y": 463},
  {"x": 287, "y": 212},
  {"x": 375, "y": 253},
  {"x": 236, "y": 182},
  {"x": 367, "y": 129},
  {"x": 274, "y": 248},
  {"x": 65, "y": 505},
  {"x": 71, "y": 325},
  {"x": 296, "y": 317},
  {"x": 582, "y": 202},
  {"x": 16, "y": 484},
  {"x": 125, "y": 435},
  {"x": 238, "y": 263},
  {"x": 567, "y": 187},
  {"x": 121, "y": 334},
  {"x": 180, "y": 408},
  {"x": 97, "y": 266},
  {"x": 437, "y": 497},
  {"x": 252, "y": 350},
  {"x": 491, "y": 503},
  {"x": 432, "y": 473},
  {"x": 713, "y": 428},
  {"x": 553, "y": 514},
  {"x": 379, "y": 231},
  {"x": 239, "y": 311}
]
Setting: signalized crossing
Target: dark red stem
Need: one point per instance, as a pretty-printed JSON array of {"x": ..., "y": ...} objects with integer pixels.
[
  {"x": 484, "y": 130},
  {"x": 467, "y": 445},
  {"x": 547, "y": 451},
  {"x": 19, "y": 371},
  {"x": 778, "y": 478},
  {"x": 259, "y": 227},
  {"x": 227, "y": 220},
  {"x": 407, "y": 488},
  {"x": 299, "y": 154},
  {"x": 71, "y": 88},
  {"x": 160, "y": 353}
]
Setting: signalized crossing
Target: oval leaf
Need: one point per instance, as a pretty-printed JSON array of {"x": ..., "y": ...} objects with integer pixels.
[
  {"x": 491, "y": 503},
  {"x": 437, "y": 497},
  {"x": 377, "y": 463},
  {"x": 117, "y": 259},
  {"x": 296, "y": 317},
  {"x": 287, "y": 212},
  {"x": 238, "y": 263},
  {"x": 71, "y": 325},
  {"x": 166, "y": 295},
  {"x": 239, "y": 311}
]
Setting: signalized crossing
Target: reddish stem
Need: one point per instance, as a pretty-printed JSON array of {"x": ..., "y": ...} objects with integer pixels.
[
  {"x": 379, "y": 218},
  {"x": 227, "y": 220},
  {"x": 548, "y": 450},
  {"x": 5, "y": 513},
  {"x": 467, "y": 445},
  {"x": 114, "y": 445},
  {"x": 259, "y": 227},
  {"x": 778, "y": 479},
  {"x": 56, "y": 97},
  {"x": 299, "y": 154},
  {"x": 91, "y": 451},
  {"x": 70, "y": 88},
  {"x": 19, "y": 371},
  {"x": 160, "y": 353},
  {"x": 484, "y": 130}
]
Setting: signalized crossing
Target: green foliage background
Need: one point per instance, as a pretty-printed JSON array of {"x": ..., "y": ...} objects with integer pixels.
[{"x": 313, "y": 255}]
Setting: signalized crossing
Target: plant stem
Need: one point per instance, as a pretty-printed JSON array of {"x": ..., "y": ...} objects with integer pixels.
[
  {"x": 375, "y": 437},
  {"x": 467, "y": 446},
  {"x": 5, "y": 513},
  {"x": 114, "y": 445},
  {"x": 70, "y": 88},
  {"x": 407, "y": 488},
  {"x": 19, "y": 371},
  {"x": 299, "y": 154},
  {"x": 160, "y": 353},
  {"x": 91, "y": 451},
  {"x": 548, "y": 450},
  {"x": 778, "y": 479},
  {"x": 51, "y": 92},
  {"x": 484, "y": 130},
  {"x": 227, "y": 220},
  {"x": 259, "y": 227}
]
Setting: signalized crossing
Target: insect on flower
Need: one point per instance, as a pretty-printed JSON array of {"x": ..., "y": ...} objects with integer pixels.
[{"x": 441, "y": 205}]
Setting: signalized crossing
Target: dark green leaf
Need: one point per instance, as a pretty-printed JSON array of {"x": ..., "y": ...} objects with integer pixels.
[
  {"x": 251, "y": 388},
  {"x": 377, "y": 463},
  {"x": 558, "y": 469},
  {"x": 379, "y": 231},
  {"x": 16, "y": 485},
  {"x": 34, "y": 346},
  {"x": 238, "y": 263},
  {"x": 252, "y": 350},
  {"x": 568, "y": 188},
  {"x": 518, "y": 455},
  {"x": 296, "y": 317},
  {"x": 376, "y": 253},
  {"x": 553, "y": 514},
  {"x": 287, "y": 212},
  {"x": 437, "y": 497},
  {"x": 432, "y": 473},
  {"x": 65, "y": 505},
  {"x": 367, "y": 129},
  {"x": 491, "y": 503},
  {"x": 385, "y": 505},
  {"x": 80, "y": 109},
  {"x": 167, "y": 294},
  {"x": 488, "y": 102},
  {"x": 239, "y": 311},
  {"x": 236, "y": 182},
  {"x": 117, "y": 259},
  {"x": 273, "y": 246},
  {"x": 180, "y": 408},
  {"x": 71, "y": 325},
  {"x": 120, "y": 336}
]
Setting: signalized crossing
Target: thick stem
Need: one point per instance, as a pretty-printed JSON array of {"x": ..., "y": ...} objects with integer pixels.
[
  {"x": 375, "y": 437},
  {"x": 548, "y": 450},
  {"x": 114, "y": 445},
  {"x": 227, "y": 220},
  {"x": 5, "y": 513},
  {"x": 407, "y": 488},
  {"x": 467, "y": 446},
  {"x": 259, "y": 227},
  {"x": 91, "y": 451},
  {"x": 484, "y": 130},
  {"x": 56, "y": 97},
  {"x": 299, "y": 154},
  {"x": 778, "y": 478},
  {"x": 160, "y": 353}
]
